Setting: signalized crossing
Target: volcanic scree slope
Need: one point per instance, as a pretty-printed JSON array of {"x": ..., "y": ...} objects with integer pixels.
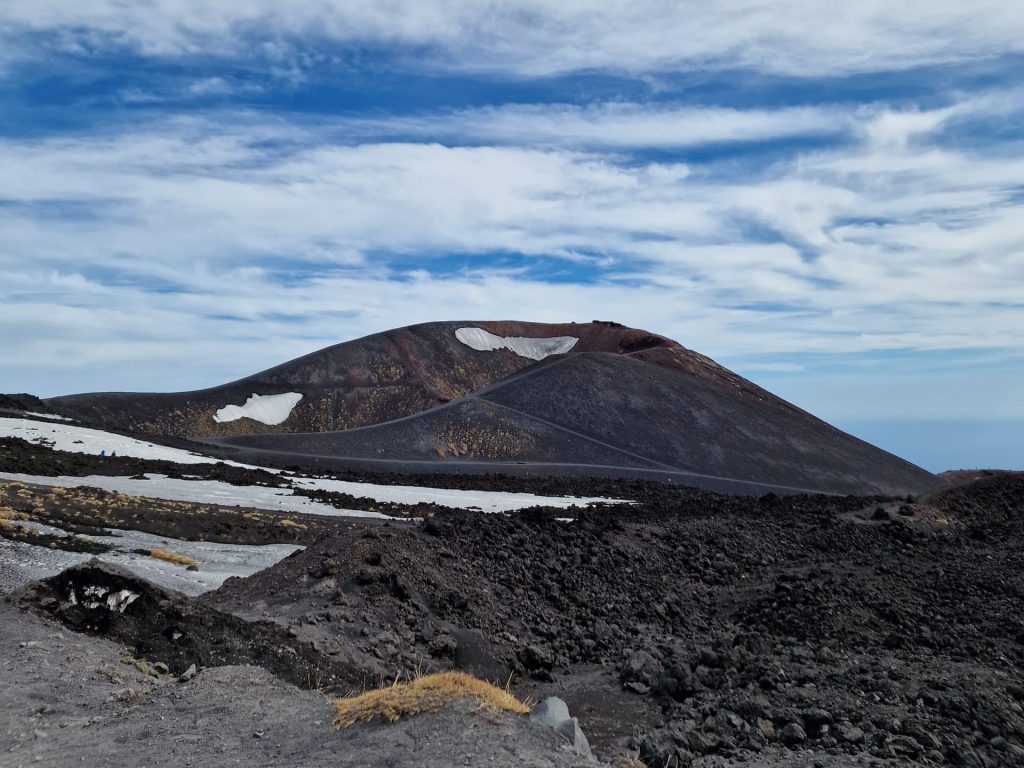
[{"x": 452, "y": 394}]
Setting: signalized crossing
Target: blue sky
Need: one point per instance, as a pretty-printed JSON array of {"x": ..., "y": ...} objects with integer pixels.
[{"x": 829, "y": 201}]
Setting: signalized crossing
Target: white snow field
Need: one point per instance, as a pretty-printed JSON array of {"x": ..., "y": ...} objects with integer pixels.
[
  {"x": 53, "y": 416},
  {"x": 199, "y": 491},
  {"x": 486, "y": 501},
  {"x": 266, "y": 409},
  {"x": 284, "y": 499},
  {"x": 21, "y": 562},
  {"x": 67, "y": 437},
  {"x": 535, "y": 349}
]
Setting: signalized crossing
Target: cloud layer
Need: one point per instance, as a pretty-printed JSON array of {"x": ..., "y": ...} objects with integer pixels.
[
  {"x": 535, "y": 37},
  {"x": 888, "y": 241},
  {"x": 823, "y": 198}
]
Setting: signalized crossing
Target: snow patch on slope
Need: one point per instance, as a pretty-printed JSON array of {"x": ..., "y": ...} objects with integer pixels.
[
  {"x": 535, "y": 349},
  {"x": 286, "y": 500},
  {"x": 21, "y": 562},
  {"x": 53, "y": 416},
  {"x": 66, "y": 437},
  {"x": 267, "y": 409},
  {"x": 198, "y": 491},
  {"x": 486, "y": 501}
]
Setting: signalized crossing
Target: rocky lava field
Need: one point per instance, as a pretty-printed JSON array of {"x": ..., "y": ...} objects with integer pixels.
[
  {"x": 696, "y": 625},
  {"x": 683, "y": 627}
]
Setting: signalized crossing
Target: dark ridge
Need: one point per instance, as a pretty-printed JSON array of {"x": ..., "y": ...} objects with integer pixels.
[
  {"x": 603, "y": 410},
  {"x": 23, "y": 402},
  {"x": 621, "y": 402}
]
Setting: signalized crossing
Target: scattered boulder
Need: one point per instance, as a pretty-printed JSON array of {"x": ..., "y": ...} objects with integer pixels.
[
  {"x": 677, "y": 681},
  {"x": 816, "y": 718},
  {"x": 553, "y": 713},
  {"x": 640, "y": 667},
  {"x": 793, "y": 734},
  {"x": 443, "y": 645},
  {"x": 537, "y": 661},
  {"x": 904, "y": 746},
  {"x": 850, "y": 734}
]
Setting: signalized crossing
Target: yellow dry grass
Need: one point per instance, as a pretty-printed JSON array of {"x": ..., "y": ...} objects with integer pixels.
[
  {"x": 172, "y": 557},
  {"x": 430, "y": 693},
  {"x": 7, "y": 517}
]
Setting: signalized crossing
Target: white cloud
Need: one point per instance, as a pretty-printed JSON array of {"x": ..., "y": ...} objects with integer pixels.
[
  {"x": 610, "y": 125},
  {"x": 128, "y": 250},
  {"x": 536, "y": 37}
]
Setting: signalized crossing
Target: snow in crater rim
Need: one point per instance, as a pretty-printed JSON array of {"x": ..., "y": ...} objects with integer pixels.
[
  {"x": 267, "y": 409},
  {"x": 533, "y": 348}
]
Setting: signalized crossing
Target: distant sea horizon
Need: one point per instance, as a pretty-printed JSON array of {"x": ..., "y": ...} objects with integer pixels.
[{"x": 939, "y": 445}]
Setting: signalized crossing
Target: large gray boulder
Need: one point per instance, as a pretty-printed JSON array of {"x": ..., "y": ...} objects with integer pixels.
[{"x": 553, "y": 713}]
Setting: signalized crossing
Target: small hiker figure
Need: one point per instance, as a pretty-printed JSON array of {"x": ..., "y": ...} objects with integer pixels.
[{"x": 103, "y": 453}]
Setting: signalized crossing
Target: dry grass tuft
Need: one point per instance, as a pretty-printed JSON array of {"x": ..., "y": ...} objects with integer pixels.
[
  {"x": 172, "y": 557},
  {"x": 430, "y": 693}
]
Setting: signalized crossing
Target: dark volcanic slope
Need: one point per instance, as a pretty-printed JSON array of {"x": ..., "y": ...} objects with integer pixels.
[
  {"x": 365, "y": 381},
  {"x": 620, "y": 400},
  {"x": 712, "y": 424},
  {"x": 598, "y": 408}
]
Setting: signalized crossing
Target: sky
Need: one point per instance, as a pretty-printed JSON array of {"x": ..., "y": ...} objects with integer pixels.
[{"x": 828, "y": 200}]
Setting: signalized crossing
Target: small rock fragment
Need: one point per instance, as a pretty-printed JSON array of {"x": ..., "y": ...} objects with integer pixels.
[{"x": 793, "y": 734}]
